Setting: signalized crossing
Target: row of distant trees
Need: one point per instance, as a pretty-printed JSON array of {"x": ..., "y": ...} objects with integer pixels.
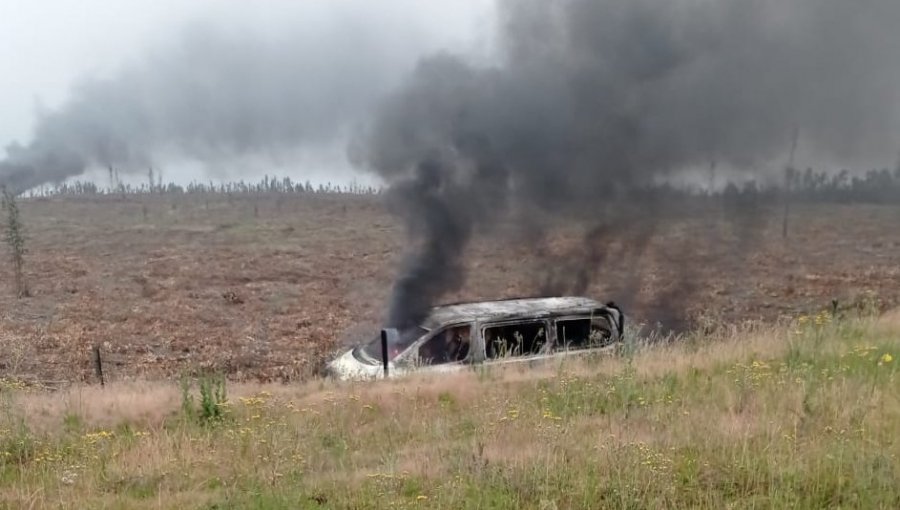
[
  {"x": 265, "y": 185},
  {"x": 874, "y": 186}
]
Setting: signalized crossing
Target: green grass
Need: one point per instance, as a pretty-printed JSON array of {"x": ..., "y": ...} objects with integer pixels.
[{"x": 805, "y": 415}]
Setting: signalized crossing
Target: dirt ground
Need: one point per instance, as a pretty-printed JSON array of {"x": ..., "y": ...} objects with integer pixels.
[{"x": 264, "y": 288}]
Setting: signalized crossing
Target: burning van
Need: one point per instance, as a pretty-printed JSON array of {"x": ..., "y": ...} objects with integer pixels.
[{"x": 490, "y": 332}]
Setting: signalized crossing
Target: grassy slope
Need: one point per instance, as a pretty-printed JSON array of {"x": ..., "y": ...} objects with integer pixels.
[{"x": 803, "y": 416}]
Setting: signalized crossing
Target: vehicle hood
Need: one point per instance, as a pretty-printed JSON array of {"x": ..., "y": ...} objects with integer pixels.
[{"x": 347, "y": 367}]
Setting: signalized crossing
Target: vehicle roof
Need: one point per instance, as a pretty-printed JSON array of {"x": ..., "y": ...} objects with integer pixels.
[{"x": 508, "y": 309}]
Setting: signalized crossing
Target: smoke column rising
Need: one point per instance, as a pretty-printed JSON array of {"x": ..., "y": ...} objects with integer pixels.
[{"x": 597, "y": 98}]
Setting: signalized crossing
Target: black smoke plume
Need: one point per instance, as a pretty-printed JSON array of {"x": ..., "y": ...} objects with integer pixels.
[{"x": 594, "y": 99}]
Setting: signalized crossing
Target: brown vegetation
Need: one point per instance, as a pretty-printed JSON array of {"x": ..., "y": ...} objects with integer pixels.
[{"x": 263, "y": 288}]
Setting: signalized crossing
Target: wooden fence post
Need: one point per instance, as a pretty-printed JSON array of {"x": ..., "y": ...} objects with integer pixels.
[{"x": 98, "y": 365}]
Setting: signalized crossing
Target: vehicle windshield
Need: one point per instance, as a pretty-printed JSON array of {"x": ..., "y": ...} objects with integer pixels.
[{"x": 396, "y": 345}]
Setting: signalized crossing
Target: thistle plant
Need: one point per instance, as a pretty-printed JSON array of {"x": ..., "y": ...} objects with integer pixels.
[{"x": 211, "y": 407}]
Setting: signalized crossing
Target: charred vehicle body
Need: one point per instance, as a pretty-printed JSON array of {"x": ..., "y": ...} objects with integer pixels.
[{"x": 491, "y": 332}]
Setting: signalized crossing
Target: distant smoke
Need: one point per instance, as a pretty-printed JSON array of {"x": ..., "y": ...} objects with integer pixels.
[
  {"x": 596, "y": 98},
  {"x": 213, "y": 94}
]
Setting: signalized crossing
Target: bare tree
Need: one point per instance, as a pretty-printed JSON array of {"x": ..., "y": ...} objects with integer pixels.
[
  {"x": 15, "y": 238},
  {"x": 790, "y": 174}
]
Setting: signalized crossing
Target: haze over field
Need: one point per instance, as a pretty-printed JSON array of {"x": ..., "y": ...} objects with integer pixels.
[
  {"x": 218, "y": 89},
  {"x": 465, "y": 110}
]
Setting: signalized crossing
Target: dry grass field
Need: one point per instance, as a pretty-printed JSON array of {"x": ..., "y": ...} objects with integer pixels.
[
  {"x": 263, "y": 288},
  {"x": 804, "y": 414}
]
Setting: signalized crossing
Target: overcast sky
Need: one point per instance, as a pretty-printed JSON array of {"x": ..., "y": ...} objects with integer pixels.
[
  {"x": 228, "y": 89},
  {"x": 47, "y": 46}
]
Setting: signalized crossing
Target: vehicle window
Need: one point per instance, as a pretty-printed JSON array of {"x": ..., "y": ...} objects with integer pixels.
[
  {"x": 451, "y": 345},
  {"x": 587, "y": 333},
  {"x": 520, "y": 339},
  {"x": 395, "y": 345}
]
